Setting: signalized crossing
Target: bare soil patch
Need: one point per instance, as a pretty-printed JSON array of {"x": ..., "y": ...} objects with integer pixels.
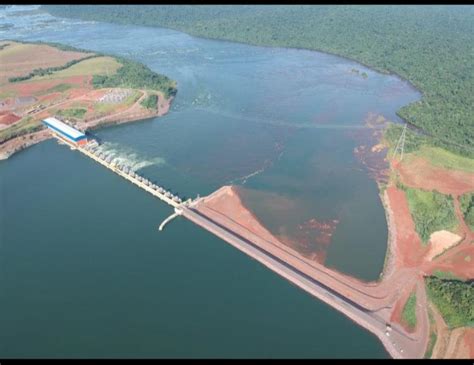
[
  {"x": 8, "y": 118},
  {"x": 419, "y": 173},
  {"x": 33, "y": 87},
  {"x": 19, "y": 59},
  {"x": 440, "y": 241},
  {"x": 459, "y": 262},
  {"x": 408, "y": 248}
]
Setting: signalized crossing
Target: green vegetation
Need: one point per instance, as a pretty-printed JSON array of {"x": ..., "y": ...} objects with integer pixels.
[
  {"x": 22, "y": 127},
  {"x": 413, "y": 140},
  {"x": 47, "y": 71},
  {"x": 431, "y": 344},
  {"x": 409, "y": 311},
  {"x": 55, "y": 89},
  {"x": 108, "y": 71},
  {"x": 93, "y": 66},
  {"x": 431, "y": 211},
  {"x": 443, "y": 158},
  {"x": 430, "y": 46},
  {"x": 72, "y": 113},
  {"x": 447, "y": 275},
  {"x": 132, "y": 98},
  {"x": 136, "y": 76},
  {"x": 419, "y": 145},
  {"x": 467, "y": 208},
  {"x": 62, "y": 47},
  {"x": 454, "y": 299},
  {"x": 102, "y": 109},
  {"x": 7, "y": 94},
  {"x": 151, "y": 102}
]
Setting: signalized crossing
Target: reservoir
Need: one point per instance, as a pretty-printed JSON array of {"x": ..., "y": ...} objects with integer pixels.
[{"x": 84, "y": 271}]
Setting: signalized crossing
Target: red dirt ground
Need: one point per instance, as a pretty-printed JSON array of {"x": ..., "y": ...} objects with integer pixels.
[
  {"x": 469, "y": 340},
  {"x": 33, "y": 56},
  {"x": 31, "y": 88},
  {"x": 455, "y": 261},
  {"x": 398, "y": 309},
  {"x": 8, "y": 118},
  {"x": 48, "y": 97},
  {"x": 420, "y": 174},
  {"x": 409, "y": 249}
]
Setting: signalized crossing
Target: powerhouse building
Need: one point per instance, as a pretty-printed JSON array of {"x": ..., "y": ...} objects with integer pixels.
[{"x": 66, "y": 132}]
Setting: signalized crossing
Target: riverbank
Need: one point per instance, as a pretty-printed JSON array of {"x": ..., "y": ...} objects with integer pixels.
[
  {"x": 407, "y": 259},
  {"x": 86, "y": 90},
  {"x": 20, "y": 143}
]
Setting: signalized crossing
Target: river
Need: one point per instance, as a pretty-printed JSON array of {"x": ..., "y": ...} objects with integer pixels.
[{"x": 85, "y": 271}]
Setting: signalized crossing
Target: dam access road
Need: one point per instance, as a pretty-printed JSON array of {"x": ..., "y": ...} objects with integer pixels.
[{"x": 370, "y": 311}]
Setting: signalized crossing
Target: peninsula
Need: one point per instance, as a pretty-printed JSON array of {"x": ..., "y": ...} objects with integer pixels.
[{"x": 85, "y": 89}]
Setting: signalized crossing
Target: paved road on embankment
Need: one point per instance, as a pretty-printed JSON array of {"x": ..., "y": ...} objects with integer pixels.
[{"x": 399, "y": 344}]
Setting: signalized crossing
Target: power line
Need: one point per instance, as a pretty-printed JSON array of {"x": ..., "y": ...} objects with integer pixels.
[{"x": 401, "y": 143}]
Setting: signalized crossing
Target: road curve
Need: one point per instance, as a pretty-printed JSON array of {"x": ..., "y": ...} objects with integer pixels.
[{"x": 399, "y": 344}]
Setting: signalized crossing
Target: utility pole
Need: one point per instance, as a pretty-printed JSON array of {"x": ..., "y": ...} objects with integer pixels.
[{"x": 401, "y": 143}]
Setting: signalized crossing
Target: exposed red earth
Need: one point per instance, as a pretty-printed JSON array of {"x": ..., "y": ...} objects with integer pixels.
[
  {"x": 8, "y": 118},
  {"x": 25, "y": 103},
  {"x": 419, "y": 173},
  {"x": 33, "y": 87},
  {"x": 408, "y": 259}
]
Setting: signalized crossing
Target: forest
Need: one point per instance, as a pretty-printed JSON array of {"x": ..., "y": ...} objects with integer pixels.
[
  {"x": 454, "y": 300},
  {"x": 137, "y": 76},
  {"x": 431, "y": 211},
  {"x": 430, "y": 46}
]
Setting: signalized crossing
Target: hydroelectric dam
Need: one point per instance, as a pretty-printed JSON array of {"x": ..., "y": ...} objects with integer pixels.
[{"x": 369, "y": 314}]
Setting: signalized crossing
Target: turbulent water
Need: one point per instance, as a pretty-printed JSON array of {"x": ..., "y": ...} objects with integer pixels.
[{"x": 85, "y": 271}]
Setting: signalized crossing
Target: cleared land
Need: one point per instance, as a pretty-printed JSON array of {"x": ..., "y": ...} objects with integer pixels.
[
  {"x": 420, "y": 245},
  {"x": 93, "y": 66},
  {"x": 18, "y": 59},
  {"x": 69, "y": 91}
]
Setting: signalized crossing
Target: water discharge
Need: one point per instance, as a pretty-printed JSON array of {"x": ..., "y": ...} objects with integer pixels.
[
  {"x": 129, "y": 157},
  {"x": 81, "y": 258}
]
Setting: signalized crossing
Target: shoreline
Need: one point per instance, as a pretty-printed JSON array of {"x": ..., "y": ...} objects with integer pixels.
[
  {"x": 225, "y": 207},
  {"x": 20, "y": 143},
  {"x": 372, "y": 68},
  {"x": 389, "y": 261}
]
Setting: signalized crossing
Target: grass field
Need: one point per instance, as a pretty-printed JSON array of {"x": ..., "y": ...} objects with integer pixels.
[
  {"x": 447, "y": 275},
  {"x": 104, "y": 108},
  {"x": 431, "y": 211},
  {"x": 443, "y": 158},
  {"x": 132, "y": 98},
  {"x": 24, "y": 126},
  {"x": 72, "y": 113},
  {"x": 56, "y": 89},
  {"x": 7, "y": 94},
  {"x": 19, "y": 59},
  {"x": 27, "y": 60},
  {"x": 431, "y": 344},
  {"x": 409, "y": 311},
  {"x": 92, "y": 66}
]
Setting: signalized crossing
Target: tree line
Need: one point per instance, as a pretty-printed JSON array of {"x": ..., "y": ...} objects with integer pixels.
[{"x": 430, "y": 46}]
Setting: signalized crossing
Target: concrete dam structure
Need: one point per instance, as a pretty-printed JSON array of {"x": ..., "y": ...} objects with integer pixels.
[{"x": 396, "y": 340}]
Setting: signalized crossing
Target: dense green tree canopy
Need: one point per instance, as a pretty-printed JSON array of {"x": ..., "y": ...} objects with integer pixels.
[{"x": 431, "y": 46}]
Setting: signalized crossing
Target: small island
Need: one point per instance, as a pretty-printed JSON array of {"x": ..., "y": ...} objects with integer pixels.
[{"x": 84, "y": 89}]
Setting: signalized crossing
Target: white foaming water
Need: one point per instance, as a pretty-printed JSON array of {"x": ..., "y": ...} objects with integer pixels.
[{"x": 128, "y": 157}]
